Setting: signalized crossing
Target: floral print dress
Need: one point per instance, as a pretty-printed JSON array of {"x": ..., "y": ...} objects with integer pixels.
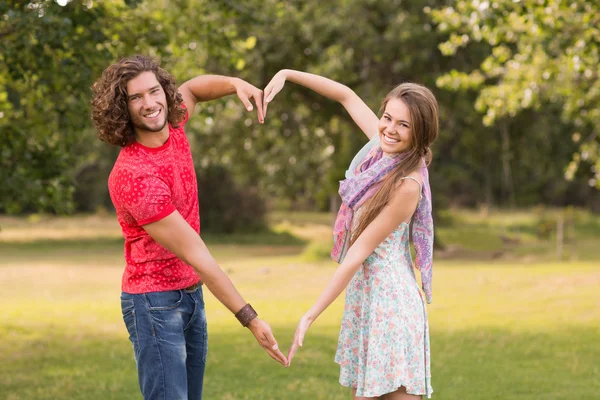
[{"x": 384, "y": 337}]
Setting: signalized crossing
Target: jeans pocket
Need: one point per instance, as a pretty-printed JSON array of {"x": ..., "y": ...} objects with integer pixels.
[
  {"x": 128, "y": 311},
  {"x": 200, "y": 295},
  {"x": 126, "y": 305},
  {"x": 159, "y": 301}
]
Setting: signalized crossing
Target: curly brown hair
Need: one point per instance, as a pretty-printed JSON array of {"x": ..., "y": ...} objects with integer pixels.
[{"x": 109, "y": 104}]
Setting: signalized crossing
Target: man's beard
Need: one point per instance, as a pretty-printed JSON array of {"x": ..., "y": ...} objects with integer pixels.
[
  {"x": 146, "y": 128},
  {"x": 139, "y": 124}
]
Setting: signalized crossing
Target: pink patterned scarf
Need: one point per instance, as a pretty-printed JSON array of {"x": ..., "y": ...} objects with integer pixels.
[{"x": 360, "y": 185}]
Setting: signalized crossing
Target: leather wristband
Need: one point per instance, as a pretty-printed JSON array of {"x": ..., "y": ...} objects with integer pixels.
[{"x": 246, "y": 315}]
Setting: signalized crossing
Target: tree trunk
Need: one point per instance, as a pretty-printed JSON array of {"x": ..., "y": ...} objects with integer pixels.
[{"x": 507, "y": 179}]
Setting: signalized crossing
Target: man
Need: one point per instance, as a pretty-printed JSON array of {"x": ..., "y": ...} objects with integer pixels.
[{"x": 137, "y": 106}]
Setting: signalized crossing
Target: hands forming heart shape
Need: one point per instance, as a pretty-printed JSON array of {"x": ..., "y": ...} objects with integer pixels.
[{"x": 245, "y": 91}]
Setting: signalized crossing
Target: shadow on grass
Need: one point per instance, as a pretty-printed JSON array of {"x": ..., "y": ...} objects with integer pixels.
[
  {"x": 70, "y": 250},
  {"x": 44, "y": 245},
  {"x": 301, "y": 218},
  {"x": 44, "y": 249},
  {"x": 473, "y": 365},
  {"x": 264, "y": 238}
]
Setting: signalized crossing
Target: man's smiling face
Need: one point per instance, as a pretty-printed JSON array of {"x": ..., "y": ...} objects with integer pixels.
[{"x": 147, "y": 103}]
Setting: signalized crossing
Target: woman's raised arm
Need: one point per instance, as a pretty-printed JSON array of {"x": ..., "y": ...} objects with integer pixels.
[{"x": 362, "y": 115}]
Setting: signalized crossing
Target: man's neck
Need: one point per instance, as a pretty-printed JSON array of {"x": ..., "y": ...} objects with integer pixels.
[{"x": 152, "y": 139}]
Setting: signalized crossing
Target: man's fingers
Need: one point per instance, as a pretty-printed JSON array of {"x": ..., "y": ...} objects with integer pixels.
[
  {"x": 277, "y": 355},
  {"x": 270, "y": 340},
  {"x": 246, "y": 100},
  {"x": 280, "y": 357},
  {"x": 271, "y": 354},
  {"x": 267, "y": 97},
  {"x": 264, "y": 108},
  {"x": 258, "y": 99}
]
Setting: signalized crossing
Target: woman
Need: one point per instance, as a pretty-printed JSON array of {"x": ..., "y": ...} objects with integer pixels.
[{"x": 383, "y": 348}]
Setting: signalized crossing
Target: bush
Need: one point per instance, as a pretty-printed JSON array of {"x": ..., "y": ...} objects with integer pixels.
[
  {"x": 91, "y": 189},
  {"x": 225, "y": 207},
  {"x": 317, "y": 251},
  {"x": 545, "y": 223}
]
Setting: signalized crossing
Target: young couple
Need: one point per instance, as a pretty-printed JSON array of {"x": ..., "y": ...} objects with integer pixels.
[{"x": 383, "y": 348}]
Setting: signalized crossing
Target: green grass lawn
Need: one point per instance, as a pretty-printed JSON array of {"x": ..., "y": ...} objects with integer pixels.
[{"x": 520, "y": 326}]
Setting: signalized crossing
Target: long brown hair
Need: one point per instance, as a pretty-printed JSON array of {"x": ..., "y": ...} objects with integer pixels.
[
  {"x": 423, "y": 109},
  {"x": 109, "y": 104}
]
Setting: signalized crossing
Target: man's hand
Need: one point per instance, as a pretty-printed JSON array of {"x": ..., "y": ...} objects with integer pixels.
[
  {"x": 264, "y": 336},
  {"x": 245, "y": 92}
]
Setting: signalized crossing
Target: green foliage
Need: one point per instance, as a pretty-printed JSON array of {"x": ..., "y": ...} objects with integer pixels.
[
  {"x": 49, "y": 57},
  {"x": 302, "y": 151},
  {"x": 225, "y": 206},
  {"x": 51, "y": 54},
  {"x": 41, "y": 108},
  {"x": 539, "y": 52}
]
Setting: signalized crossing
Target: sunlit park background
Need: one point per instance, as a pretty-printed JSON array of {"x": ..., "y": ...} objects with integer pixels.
[{"x": 515, "y": 178}]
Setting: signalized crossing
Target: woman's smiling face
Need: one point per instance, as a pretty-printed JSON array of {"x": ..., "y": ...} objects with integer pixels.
[{"x": 395, "y": 127}]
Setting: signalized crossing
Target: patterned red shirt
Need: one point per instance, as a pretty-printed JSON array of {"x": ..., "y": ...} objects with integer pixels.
[{"x": 145, "y": 185}]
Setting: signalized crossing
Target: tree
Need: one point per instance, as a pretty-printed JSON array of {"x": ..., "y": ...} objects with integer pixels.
[
  {"x": 539, "y": 53},
  {"x": 50, "y": 54}
]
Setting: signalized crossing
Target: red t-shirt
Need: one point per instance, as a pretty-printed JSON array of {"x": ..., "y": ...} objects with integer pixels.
[{"x": 145, "y": 185}]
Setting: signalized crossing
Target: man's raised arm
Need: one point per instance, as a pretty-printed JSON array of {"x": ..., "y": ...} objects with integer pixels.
[{"x": 211, "y": 87}]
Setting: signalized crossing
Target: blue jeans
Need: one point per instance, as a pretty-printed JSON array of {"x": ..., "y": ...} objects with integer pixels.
[{"x": 170, "y": 342}]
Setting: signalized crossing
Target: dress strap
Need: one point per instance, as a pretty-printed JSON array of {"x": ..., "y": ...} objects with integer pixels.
[{"x": 418, "y": 183}]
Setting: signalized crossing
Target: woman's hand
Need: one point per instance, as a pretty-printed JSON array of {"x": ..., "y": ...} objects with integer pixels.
[
  {"x": 303, "y": 326},
  {"x": 273, "y": 88}
]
